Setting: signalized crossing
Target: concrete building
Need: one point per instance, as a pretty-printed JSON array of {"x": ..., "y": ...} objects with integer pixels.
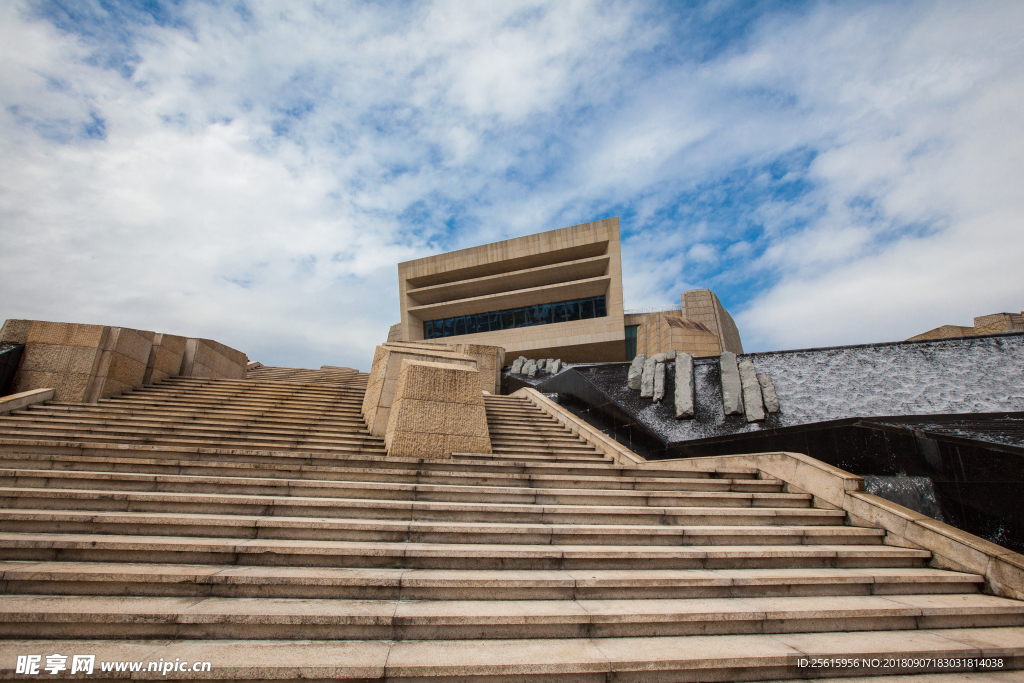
[
  {"x": 700, "y": 327},
  {"x": 554, "y": 294},
  {"x": 995, "y": 323}
]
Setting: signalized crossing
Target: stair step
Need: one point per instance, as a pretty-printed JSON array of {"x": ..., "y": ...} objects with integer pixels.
[
  {"x": 87, "y": 547},
  {"x": 83, "y": 578}
]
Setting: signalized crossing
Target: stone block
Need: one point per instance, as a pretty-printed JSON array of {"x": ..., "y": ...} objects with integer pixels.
[
  {"x": 517, "y": 365},
  {"x": 636, "y": 369},
  {"x": 132, "y": 344},
  {"x": 771, "y": 399},
  {"x": 659, "y": 382},
  {"x": 685, "y": 387},
  {"x": 126, "y": 371},
  {"x": 732, "y": 388},
  {"x": 530, "y": 368},
  {"x": 438, "y": 409},
  {"x": 647, "y": 378},
  {"x": 71, "y": 387},
  {"x": 15, "y": 331},
  {"x": 164, "y": 358},
  {"x": 753, "y": 405}
]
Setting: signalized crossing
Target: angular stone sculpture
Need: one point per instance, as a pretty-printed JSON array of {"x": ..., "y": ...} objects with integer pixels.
[
  {"x": 530, "y": 368},
  {"x": 671, "y": 354},
  {"x": 438, "y": 410},
  {"x": 752, "y": 402},
  {"x": 659, "y": 382},
  {"x": 517, "y": 366},
  {"x": 732, "y": 389},
  {"x": 685, "y": 387},
  {"x": 771, "y": 399},
  {"x": 647, "y": 379},
  {"x": 636, "y": 369},
  {"x": 555, "y": 366}
]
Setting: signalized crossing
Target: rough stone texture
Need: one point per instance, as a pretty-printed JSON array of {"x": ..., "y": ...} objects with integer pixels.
[
  {"x": 732, "y": 389},
  {"x": 636, "y": 369},
  {"x": 671, "y": 354},
  {"x": 530, "y": 368},
  {"x": 209, "y": 359},
  {"x": 659, "y": 382},
  {"x": 647, "y": 378},
  {"x": 771, "y": 400},
  {"x": 659, "y": 357},
  {"x": 438, "y": 410},
  {"x": 395, "y": 332},
  {"x": 752, "y": 401},
  {"x": 165, "y": 358},
  {"x": 489, "y": 361},
  {"x": 385, "y": 372},
  {"x": 25, "y": 398},
  {"x": 555, "y": 367},
  {"x": 517, "y": 365},
  {"x": 685, "y": 387}
]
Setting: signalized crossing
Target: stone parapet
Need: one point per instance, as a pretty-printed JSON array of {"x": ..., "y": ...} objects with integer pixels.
[
  {"x": 85, "y": 363},
  {"x": 438, "y": 409},
  {"x": 386, "y": 370}
]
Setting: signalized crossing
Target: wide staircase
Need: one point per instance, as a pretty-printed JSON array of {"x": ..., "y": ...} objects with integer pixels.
[{"x": 257, "y": 525}]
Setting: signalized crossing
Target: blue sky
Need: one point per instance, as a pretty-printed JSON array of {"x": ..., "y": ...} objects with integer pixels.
[{"x": 839, "y": 172}]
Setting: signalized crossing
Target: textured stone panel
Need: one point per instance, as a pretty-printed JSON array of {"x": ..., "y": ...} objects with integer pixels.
[
  {"x": 647, "y": 378},
  {"x": 133, "y": 344},
  {"x": 438, "y": 409},
  {"x": 753, "y": 405},
  {"x": 732, "y": 388},
  {"x": 771, "y": 399},
  {"x": 685, "y": 387},
  {"x": 15, "y": 331},
  {"x": 636, "y": 369},
  {"x": 659, "y": 382}
]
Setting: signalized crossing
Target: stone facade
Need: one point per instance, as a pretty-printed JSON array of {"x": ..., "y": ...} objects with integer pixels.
[
  {"x": 438, "y": 410},
  {"x": 995, "y": 323},
  {"x": 705, "y": 329},
  {"x": 575, "y": 262},
  {"x": 385, "y": 372},
  {"x": 84, "y": 363}
]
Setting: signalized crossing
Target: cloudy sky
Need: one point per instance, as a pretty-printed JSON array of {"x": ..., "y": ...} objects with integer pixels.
[{"x": 838, "y": 173}]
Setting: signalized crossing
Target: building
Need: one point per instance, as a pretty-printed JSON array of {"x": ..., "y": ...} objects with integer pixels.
[
  {"x": 554, "y": 294},
  {"x": 996, "y": 323},
  {"x": 700, "y": 327}
]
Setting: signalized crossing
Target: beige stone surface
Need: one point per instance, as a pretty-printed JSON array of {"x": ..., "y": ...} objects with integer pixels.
[
  {"x": 438, "y": 410},
  {"x": 387, "y": 366},
  {"x": 578, "y": 261},
  {"x": 210, "y": 359}
]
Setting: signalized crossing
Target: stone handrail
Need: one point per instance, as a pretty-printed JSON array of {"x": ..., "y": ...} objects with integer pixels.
[
  {"x": 25, "y": 398},
  {"x": 832, "y": 487}
]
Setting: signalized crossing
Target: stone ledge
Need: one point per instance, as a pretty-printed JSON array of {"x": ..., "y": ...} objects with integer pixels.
[
  {"x": 25, "y": 398},
  {"x": 608, "y": 447}
]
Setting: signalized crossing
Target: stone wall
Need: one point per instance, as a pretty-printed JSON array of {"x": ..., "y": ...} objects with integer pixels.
[
  {"x": 84, "y": 363},
  {"x": 669, "y": 331},
  {"x": 703, "y": 306},
  {"x": 489, "y": 361},
  {"x": 386, "y": 370},
  {"x": 994, "y": 323},
  {"x": 438, "y": 410}
]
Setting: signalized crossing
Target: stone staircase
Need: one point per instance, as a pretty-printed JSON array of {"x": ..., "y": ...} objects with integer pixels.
[{"x": 256, "y": 525}]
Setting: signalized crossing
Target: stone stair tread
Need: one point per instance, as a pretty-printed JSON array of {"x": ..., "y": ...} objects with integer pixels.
[{"x": 727, "y": 657}]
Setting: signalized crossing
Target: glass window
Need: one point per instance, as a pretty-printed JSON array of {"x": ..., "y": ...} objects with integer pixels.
[
  {"x": 599, "y": 308},
  {"x": 533, "y": 315},
  {"x": 572, "y": 310},
  {"x": 483, "y": 322},
  {"x": 520, "y": 317},
  {"x": 449, "y": 327},
  {"x": 586, "y": 309},
  {"x": 460, "y": 325},
  {"x": 428, "y": 329},
  {"x": 471, "y": 326},
  {"x": 507, "y": 319},
  {"x": 631, "y": 342},
  {"x": 558, "y": 312},
  {"x": 544, "y": 314},
  {"x": 495, "y": 317}
]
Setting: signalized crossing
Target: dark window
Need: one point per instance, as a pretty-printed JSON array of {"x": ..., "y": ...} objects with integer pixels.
[
  {"x": 630, "y": 341},
  {"x": 586, "y": 308},
  {"x": 538, "y": 314}
]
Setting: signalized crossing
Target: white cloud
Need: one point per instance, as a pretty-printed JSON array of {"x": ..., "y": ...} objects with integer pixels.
[{"x": 260, "y": 176}]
